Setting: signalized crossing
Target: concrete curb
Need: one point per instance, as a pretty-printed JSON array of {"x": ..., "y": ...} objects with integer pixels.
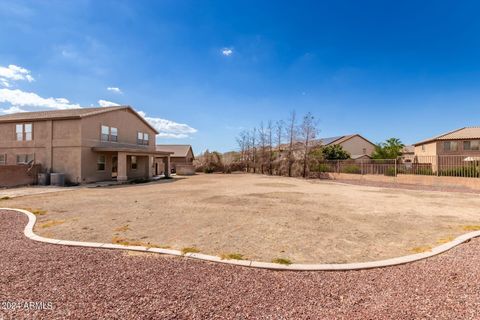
[{"x": 247, "y": 263}]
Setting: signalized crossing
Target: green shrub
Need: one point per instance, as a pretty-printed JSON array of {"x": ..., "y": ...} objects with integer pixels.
[
  {"x": 390, "y": 172},
  {"x": 352, "y": 169},
  {"x": 461, "y": 172},
  {"x": 322, "y": 167}
]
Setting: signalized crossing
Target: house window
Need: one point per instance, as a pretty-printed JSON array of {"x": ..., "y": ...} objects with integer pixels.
[
  {"x": 24, "y": 132},
  {"x": 450, "y": 145},
  {"x": 101, "y": 163},
  {"x": 25, "y": 158},
  {"x": 3, "y": 159},
  {"x": 113, "y": 134},
  {"x": 364, "y": 150},
  {"x": 105, "y": 133},
  {"x": 142, "y": 138},
  {"x": 423, "y": 147},
  {"x": 471, "y": 145},
  {"x": 134, "y": 163}
]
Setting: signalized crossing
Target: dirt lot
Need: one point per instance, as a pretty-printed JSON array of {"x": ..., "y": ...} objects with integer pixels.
[{"x": 260, "y": 217}]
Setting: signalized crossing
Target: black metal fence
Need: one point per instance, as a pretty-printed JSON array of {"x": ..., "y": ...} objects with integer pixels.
[{"x": 450, "y": 166}]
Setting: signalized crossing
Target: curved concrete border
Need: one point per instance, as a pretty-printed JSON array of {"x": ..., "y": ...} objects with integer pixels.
[{"x": 247, "y": 263}]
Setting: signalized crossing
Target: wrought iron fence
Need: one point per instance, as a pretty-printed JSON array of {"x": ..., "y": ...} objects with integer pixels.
[{"x": 444, "y": 165}]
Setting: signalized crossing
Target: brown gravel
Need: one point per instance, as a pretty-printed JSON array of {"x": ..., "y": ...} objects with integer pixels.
[{"x": 103, "y": 284}]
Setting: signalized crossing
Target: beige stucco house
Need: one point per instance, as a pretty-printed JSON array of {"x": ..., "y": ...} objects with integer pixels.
[
  {"x": 87, "y": 144},
  {"x": 355, "y": 144},
  {"x": 463, "y": 141},
  {"x": 181, "y": 158}
]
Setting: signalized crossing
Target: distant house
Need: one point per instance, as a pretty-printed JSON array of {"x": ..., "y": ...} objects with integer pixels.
[
  {"x": 408, "y": 154},
  {"x": 355, "y": 144},
  {"x": 86, "y": 144},
  {"x": 463, "y": 141},
  {"x": 181, "y": 159}
]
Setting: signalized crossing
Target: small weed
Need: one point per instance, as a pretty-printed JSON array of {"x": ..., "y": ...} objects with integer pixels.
[
  {"x": 51, "y": 223},
  {"x": 471, "y": 228},
  {"x": 445, "y": 240},
  {"x": 421, "y": 249},
  {"x": 190, "y": 250},
  {"x": 232, "y": 256},
  {"x": 38, "y": 212},
  {"x": 136, "y": 243},
  {"x": 5, "y": 198},
  {"x": 124, "y": 228},
  {"x": 282, "y": 261}
]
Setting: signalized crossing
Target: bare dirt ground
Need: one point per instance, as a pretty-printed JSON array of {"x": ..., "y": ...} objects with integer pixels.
[{"x": 260, "y": 217}]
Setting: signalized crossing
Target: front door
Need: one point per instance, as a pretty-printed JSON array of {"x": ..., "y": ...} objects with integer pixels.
[{"x": 114, "y": 167}]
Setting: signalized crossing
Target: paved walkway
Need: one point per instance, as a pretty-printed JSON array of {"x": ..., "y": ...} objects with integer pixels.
[{"x": 96, "y": 283}]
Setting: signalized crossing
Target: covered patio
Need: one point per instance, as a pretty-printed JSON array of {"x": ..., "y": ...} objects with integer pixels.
[{"x": 130, "y": 162}]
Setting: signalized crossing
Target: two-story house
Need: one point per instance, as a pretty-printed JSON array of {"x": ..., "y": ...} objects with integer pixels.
[
  {"x": 463, "y": 141},
  {"x": 87, "y": 144}
]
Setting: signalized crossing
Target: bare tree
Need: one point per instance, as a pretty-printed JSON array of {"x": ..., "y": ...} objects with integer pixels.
[
  {"x": 279, "y": 126},
  {"x": 262, "y": 141},
  {"x": 291, "y": 133},
  {"x": 308, "y": 131},
  {"x": 270, "y": 146},
  {"x": 253, "y": 138},
  {"x": 243, "y": 144}
]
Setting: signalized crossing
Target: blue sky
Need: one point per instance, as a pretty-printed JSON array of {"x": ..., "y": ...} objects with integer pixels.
[{"x": 204, "y": 70}]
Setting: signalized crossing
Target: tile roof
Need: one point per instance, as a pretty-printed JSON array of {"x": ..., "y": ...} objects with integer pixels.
[
  {"x": 462, "y": 133},
  {"x": 56, "y": 114},
  {"x": 179, "y": 150},
  {"x": 66, "y": 114}
]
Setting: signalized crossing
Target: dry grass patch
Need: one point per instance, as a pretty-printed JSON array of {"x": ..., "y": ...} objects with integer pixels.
[
  {"x": 232, "y": 256},
  {"x": 421, "y": 249},
  {"x": 190, "y": 250},
  {"x": 37, "y": 212},
  {"x": 51, "y": 223},
  {"x": 124, "y": 228},
  {"x": 284, "y": 261},
  {"x": 136, "y": 243},
  {"x": 5, "y": 198},
  {"x": 445, "y": 240},
  {"x": 471, "y": 228}
]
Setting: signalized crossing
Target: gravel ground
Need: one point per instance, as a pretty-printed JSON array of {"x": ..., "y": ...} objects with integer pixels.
[{"x": 104, "y": 284}]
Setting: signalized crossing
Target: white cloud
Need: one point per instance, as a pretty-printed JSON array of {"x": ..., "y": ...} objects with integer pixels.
[
  {"x": 115, "y": 89},
  {"x": 14, "y": 73},
  {"x": 21, "y": 98},
  {"x": 12, "y": 109},
  {"x": 168, "y": 128},
  {"x": 227, "y": 52},
  {"x": 106, "y": 103}
]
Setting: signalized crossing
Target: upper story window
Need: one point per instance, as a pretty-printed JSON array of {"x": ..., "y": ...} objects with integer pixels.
[
  {"x": 142, "y": 138},
  {"x": 24, "y": 131},
  {"x": 450, "y": 145},
  {"x": 364, "y": 150},
  {"x": 423, "y": 147},
  {"x": 471, "y": 145},
  {"x": 109, "y": 134},
  {"x": 3, "y": 159}
]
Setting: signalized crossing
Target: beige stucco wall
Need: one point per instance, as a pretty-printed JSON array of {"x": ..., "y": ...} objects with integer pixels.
[
  {"x": 66, "y": 145},
  {"x": 429, "y": 149},
  {"x": 356, "y": 144}
]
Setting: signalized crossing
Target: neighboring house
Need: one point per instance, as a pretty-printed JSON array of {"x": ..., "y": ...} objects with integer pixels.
[
  {"x": 463, "y": 141},
  {"x": 355, "y": 144},
  {"x": 408, "y": 154},
  {"x": 87, "y": 144},
  {"x": 181, "y": 159}
]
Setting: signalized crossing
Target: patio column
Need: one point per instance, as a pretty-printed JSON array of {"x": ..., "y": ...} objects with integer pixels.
[
  {"x": 150, "y": 168},
  {"x": 122, "y": 167},
  {"x": 167, "y": 166}
]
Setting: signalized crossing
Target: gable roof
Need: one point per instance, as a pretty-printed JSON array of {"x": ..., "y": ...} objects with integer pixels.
[
  {"x": 340, "y": 139},
  {"x": 462, "y": 133},
  {"x": 68, "y": 114},
  {"x": 179, "y": 150}
]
